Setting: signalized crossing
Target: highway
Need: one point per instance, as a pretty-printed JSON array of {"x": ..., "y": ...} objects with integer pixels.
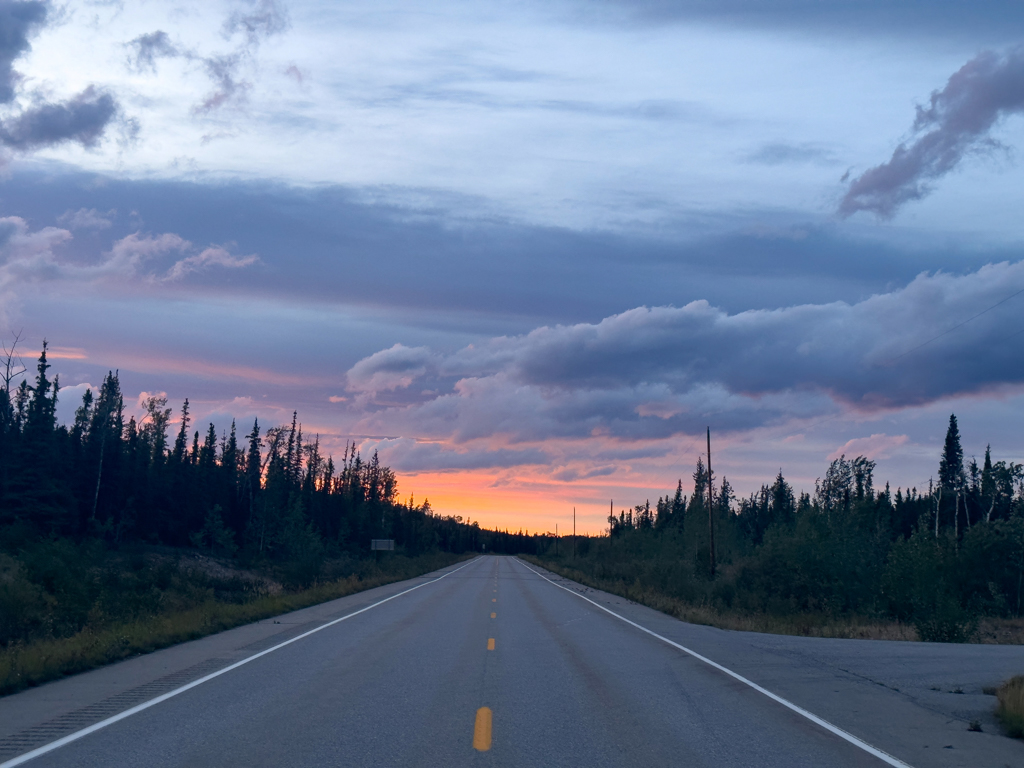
[{"x": 497, "y": 662}]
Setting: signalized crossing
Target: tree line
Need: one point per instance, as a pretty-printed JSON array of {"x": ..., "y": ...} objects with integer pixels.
[
  {"x": 940, "y": 558},
  {"x": 270, "y": 493}
]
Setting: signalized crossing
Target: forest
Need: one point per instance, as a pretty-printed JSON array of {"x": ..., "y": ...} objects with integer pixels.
[
  {"x": 111, "y": 522},
  {"x": 850, "y": 559}
]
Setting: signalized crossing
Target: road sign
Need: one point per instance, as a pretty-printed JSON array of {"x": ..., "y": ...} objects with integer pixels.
[{"x": 388, "y": 545}]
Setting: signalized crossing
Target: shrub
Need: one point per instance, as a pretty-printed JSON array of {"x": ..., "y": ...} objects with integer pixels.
[{"x": 1011, "y": 706}]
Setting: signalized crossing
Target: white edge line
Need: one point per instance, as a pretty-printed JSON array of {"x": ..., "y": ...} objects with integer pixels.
[
  {"x": 883, "y": 756},
  {"x": 24, "y": 758}
]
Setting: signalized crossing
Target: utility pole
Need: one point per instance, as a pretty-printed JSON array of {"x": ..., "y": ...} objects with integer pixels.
[
  {"x": 611, "y": 515},
  {"x": 711, "y": 509},
  {"x": 574, "y": 533},
  {"x": 556, "y": 539}
]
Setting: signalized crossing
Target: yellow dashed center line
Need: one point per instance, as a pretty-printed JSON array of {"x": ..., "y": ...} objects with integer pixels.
[
  {"x": 494, "y": 615},
  {"x": 482, "y": 730},
  {"x": 490, "y": 644},
  {"x": 494, "y": 599}
]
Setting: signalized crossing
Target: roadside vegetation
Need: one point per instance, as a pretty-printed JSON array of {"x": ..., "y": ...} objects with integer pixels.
[
  {"x": 945, "y": 564},
  {"x": 1011, "y": 706},
  {"x": 66, "y": 608},
  {"x": 116, "y": 539}
]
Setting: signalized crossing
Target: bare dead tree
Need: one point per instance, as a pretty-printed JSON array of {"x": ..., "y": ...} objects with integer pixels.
[{"x": 11, "y": 362}]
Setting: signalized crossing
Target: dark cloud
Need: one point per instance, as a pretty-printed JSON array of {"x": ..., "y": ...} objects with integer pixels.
[
  {"x": 654, "y": 372},
  {"x": 146, "y": 49},
  {"x": 1002, "y": 21},
  {"x": 82, "y": 119},
  {"x": 956, "y": 121},
  {"x": 18, "y": 21},
  {"x": 337, "y": 246}
]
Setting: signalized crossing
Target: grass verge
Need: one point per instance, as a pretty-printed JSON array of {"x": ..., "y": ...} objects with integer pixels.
[
  {"x": 1010, "y": 710},
  {"x": 23, "y": 665},
  {"x": 995, "y": 631},
  {"x": 806, "y": 625}
]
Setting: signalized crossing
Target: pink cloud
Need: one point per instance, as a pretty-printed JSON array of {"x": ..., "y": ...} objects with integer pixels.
[{"x": 877, "y": 446}]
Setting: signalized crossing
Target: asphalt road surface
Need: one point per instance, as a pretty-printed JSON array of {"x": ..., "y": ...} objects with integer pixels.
[{"x": 497, "y": 662}]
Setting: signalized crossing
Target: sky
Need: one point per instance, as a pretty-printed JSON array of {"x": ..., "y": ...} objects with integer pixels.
[{"x": 530, "y": 251}]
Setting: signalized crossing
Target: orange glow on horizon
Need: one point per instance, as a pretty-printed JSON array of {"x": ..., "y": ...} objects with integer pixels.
[{"x": 495, "y": 501}]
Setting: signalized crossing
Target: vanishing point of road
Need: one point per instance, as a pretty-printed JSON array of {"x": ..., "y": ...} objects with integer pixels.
[{"x": 497, "y": 662}]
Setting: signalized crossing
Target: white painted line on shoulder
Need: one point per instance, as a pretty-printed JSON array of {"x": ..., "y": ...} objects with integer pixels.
[
  {"x": 170, "y": 694},
  {"x": 859, "y": 743}
]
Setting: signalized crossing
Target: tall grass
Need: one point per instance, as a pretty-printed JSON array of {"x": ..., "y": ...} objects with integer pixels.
[
  {"x": 1011, "y": 706},
  {"x": 29, "y": 663},
  {"x": 802, "y": 624}
]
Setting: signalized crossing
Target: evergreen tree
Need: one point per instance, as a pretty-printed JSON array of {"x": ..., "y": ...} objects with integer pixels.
[
  {"x": 698, "y": 501},
  {"x": 179, "y": 454},
  {"x": 253, "y": 468},
  {"x": 951, "y": 465},
  {"x": 783, "y": 502},
  {"x": 988, "y": 485},
  {"x": 208, "y": 452}
]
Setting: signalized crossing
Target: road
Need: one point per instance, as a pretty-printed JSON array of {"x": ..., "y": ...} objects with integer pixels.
[{"x": 497, "y": 662}]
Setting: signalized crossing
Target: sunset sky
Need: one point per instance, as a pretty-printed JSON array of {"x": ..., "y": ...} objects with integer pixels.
[{"x": 529, "y": 251}]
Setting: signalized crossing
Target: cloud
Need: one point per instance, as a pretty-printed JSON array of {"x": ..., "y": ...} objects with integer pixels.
[
  {"x": 655, "y": 372},
  {"x": 256, "y": 22},
  {"x": 223, "y": 70},
  {"x": 70, "y": 399},
  {"x": 877, "y": 446},
  {"x": 57, "y": 353},
  {"x": 82, "y": 118},
  {"x": 956, "y": 121},
  {"x": 947, "y": 18},
  {"x": 261, "y": 20},
  {"x": 129, "y": 253},
  {"x": 780, "y": 153},
  {"x": 18, "y": 22},
  {"x": 266, "y": 18},
  {"x": 27, "y": 256},
  {"x": 212, "y": 256},
  {"x": 389, "y": 369},
  {"x": 569, "y": 474},
  {"x": 146, "y": 49},
  {"x": 24, "y": 254},
  {"x": 408, "y": 455},
  {"x": 87, "y": 218}
]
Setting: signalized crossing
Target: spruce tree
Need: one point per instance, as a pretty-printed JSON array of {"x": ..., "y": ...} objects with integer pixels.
[
  {"x": 951, "y": 465},
  {"x": 208, "y": 453},
  {"x": 783, "y": 502},
  {"x": 679, "y": 505},
  {"x": 181, "y": 442},
  {"x": 253, "y": 466}
]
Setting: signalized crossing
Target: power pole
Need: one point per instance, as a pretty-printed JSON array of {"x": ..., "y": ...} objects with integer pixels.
[
  {"x": 711, "y": 509},
  {"x": 574, "y": 533},
  {"x": 556, "y": 539}
]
